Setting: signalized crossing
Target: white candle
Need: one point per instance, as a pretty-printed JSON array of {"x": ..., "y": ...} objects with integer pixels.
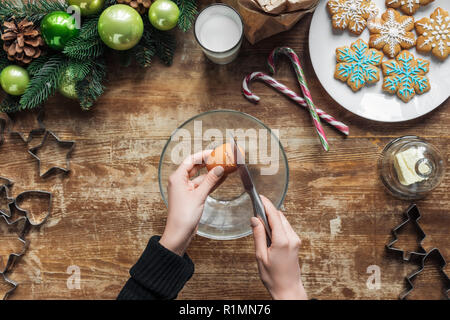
[{"x": 219, "y": 31}]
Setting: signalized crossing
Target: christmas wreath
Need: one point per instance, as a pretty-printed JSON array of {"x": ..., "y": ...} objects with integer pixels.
[{"x": 49, "y": 46}]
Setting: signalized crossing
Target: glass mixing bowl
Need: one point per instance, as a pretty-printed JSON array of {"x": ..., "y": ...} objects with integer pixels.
[{"x": 228, "y": 209}]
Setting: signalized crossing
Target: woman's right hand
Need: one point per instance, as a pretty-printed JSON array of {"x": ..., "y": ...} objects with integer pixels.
[{"x": 278, "y": 265}]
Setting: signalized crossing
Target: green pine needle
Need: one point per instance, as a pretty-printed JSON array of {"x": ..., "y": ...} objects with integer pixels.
[
  {"x": 80, "y": 68},
  {"x": 163, "y": 43},
  {"x": 45, "y": 82},
  {"x": 188, "y": 12},
  {"x": 33, "y": 10},
  {"x": 144, "y": 55},
  {"x": 37, "y": 64},
  {"x": 89, "y": 29},
  {"x": 4, "y": 62},
  {"x": 91, "y": 87},
  {"x": 84, "y": 49},
  {"x": 10, "y": 104}
]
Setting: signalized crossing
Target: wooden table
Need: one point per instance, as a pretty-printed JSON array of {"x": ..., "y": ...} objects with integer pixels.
[{"x": 109, "y": 206}]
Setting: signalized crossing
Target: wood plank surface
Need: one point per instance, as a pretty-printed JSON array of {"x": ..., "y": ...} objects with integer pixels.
[{"x": 107, "y": 208}]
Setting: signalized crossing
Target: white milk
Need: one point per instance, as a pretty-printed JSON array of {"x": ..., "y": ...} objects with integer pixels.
[
  {"x": 219, "y": 33},
  {"x": 218, "y": 30}
]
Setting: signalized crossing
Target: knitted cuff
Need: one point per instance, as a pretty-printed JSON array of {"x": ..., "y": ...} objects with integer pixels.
[{"x": 161, "y": 270}]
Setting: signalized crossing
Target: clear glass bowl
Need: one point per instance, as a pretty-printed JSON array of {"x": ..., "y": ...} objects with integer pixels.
[
  {"x": 228, "y": 209},
  {"x": 430, "y": 166}
]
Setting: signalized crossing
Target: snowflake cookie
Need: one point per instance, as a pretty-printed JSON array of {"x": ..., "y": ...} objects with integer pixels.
[
  {"x": 406, "y": 76},
  {"x": 358, "y": 65},
  {"x": 407, "y": 6},
  {"x": 351, "y": 14},
  {"x": 392, "y": 32},
  {"x": 434, "y": 34}
]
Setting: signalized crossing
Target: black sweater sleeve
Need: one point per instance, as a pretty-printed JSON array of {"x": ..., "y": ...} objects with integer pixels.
[{"x": 158, "y": 274}]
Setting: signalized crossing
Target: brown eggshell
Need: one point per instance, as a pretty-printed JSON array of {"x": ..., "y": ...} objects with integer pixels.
[{"x": 223, "y": 156}]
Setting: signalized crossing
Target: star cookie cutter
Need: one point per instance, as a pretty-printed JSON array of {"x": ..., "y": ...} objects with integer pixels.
[
  {"x": 13, "y": 257},
  {"x": 412, "y": 215},
  {"x": 436, "y": 254},
  {"x": 26, "y": 213},
  {"x": 4, "y": 194},
  {"x": 33, "y": 151},
  {"x": 33, "y": 132},
  {"x": 13, "y": 285}
]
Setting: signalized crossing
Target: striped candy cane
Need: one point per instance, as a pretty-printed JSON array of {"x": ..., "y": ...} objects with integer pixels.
[
  {"x": 291, "y": 94},
  {"x": 304, "y": 87}
]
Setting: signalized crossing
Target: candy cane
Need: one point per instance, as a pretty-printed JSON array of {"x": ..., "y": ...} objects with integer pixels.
[
  {"x": 289, "y": 93},
  {"x": 304, "y": 87}
]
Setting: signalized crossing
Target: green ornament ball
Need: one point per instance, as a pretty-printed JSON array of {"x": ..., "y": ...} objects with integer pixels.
[
  {"x": 58, "y": 28},
  {"x": 67, "y": 86},
  {"x": 88, "y": 7},
  {"x": 164, "y": 14},
  {"x": 120, "y": 27},
  {"x": 14, "y": 80}
]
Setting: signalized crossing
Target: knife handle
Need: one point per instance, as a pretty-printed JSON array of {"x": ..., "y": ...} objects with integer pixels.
[{"x": 259, "y": 212}]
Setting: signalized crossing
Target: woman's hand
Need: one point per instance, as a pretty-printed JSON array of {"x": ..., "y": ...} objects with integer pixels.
[
  {"x": 187, "y": 197},
  {"x": 278, "y": 265}
]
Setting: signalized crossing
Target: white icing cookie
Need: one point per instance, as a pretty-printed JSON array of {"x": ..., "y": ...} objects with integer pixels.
[
  {"x": 434, "y": 34},
  {"x": 351, "y": 14},
  {"x": 392, "y": 32},
  {"x": 407, "y": 6}
]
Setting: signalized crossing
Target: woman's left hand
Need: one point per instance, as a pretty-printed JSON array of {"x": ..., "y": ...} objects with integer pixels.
[{"x": 187, "y": 196}]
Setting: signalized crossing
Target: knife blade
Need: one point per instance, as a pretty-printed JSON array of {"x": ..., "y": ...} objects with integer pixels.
[{"x": 247, "y": 181}]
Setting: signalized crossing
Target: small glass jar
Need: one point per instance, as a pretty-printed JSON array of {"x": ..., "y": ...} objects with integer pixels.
[
  {"x": 410, "y": 167},
  {"x": 219, "y": 31}
]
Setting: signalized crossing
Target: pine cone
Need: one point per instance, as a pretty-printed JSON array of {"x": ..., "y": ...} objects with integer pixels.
[
  {"x": 22, "y": 41},
  {"x": 140, "y": 5}
]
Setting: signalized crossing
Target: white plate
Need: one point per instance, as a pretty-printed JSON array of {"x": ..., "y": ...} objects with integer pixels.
[{"x": 371, "y": 102}]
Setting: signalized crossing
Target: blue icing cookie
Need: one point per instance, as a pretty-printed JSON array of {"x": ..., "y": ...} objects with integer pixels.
[
  {"x": 358, "y": 65},
  {"x": 406, "y": 76}
]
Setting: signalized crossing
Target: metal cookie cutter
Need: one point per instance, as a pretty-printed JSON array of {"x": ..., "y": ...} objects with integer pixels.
[
  {"x": 413, "y": 216},
  {"x": 6, "y": 182},
  {"x": 31, "y": 194},
  {"x": 34, "y": 132},
  {"x": 13, "y": 257},
  {"x": 68, "y": 144},
  {"x": 436, "y": 254},
  {"x": 4, "y": 196},
  {"x": 11, "y": 283}
]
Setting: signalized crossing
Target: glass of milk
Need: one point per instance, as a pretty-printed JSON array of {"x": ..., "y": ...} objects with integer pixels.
[{"x": 219, "y": 31}]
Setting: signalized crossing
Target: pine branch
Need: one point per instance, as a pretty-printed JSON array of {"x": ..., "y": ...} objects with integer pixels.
[
  {"x": 188, "y": 12},
  {"x": 163, "y": 43},
  {"x": 80, "y": 68},
  {"x": 144, "y": 55},
  {"x": 89, "y": 29},
  {"x": 84, "y": 49},
  {"x": 44, "y": 83},
  {"x": 36, "y": 65},
  {"x": 87, "y": 45},
  {"x": 10, "y": 104},
  {"x": 33, "y": 10},
  {"x": 91, "y": 87},
  {"x": 4, "y": 62}
]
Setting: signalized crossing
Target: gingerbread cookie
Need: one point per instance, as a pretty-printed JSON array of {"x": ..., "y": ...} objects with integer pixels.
[
  {"x": 434, "y": 34},
  {"x": 351, "y": 14},
  {"x": 407, "y": 6},
  {"x": 392, "y": 32},
  {"x": 406, "y": 76},
  {"x": 358, "y": 65}
]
